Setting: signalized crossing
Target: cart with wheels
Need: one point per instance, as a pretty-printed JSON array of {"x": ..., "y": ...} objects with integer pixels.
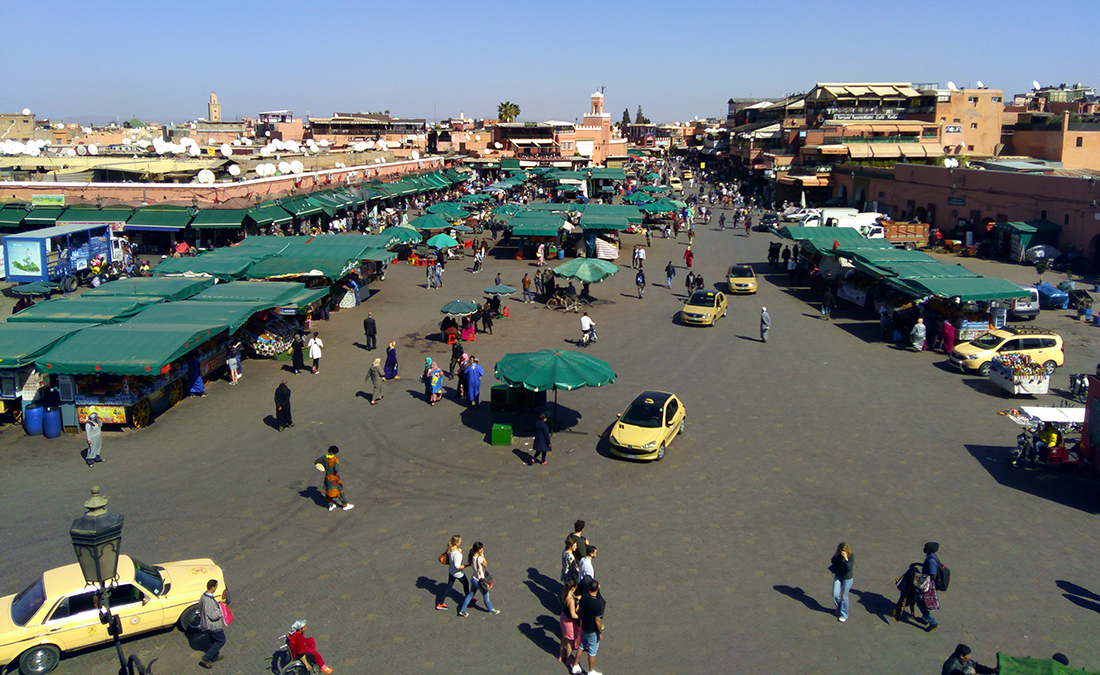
[{"x": 1019, "y": 375}]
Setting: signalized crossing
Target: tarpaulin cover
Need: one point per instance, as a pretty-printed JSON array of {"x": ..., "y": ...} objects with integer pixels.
[
  {"x": 275, "y": 292},
  {"x": 83, "y": 310},
  {"x": 172, "y": 289},
  {"x": 230, "y": 315},
  {"x": 224, "y": 263},
  {"x": 966, "y": 289},
  {"x": 294, "y": 266},
  {"x": 125, "y": 348},
  {"x": 22, "y": 343}
]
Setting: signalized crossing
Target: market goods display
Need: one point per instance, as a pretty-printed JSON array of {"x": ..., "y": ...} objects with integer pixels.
[{"x": 1019, "y": 367}]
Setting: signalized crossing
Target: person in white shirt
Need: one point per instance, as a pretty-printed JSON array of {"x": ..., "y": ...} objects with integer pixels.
[
  {"x": 585, "y": 571},
  {"x": 587, "y": 324},
  {"x": 315, "y": 345}
]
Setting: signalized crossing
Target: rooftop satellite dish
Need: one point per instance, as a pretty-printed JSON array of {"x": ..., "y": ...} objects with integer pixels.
[
  {"x": 323, "y": 143},
  {"x": 980, "y": 85},
  {"x": 192, "y": 125},
  {"x": 497, "y": 145},
  {"x": 296, "y": 167},
  {"x": 415, "y": 154},
  {"x": 81, "y": 150},
  {"x": 92, "y": 149},
  {"x": 265, "y": 151},
  {"x": 246, "y": 141},
  {"x": 284, "y": 167},
  {"x": 236, "y": 142},
  {"x": 951, "y": 85},
  {"x": 211, "y": 141},
  {"x": 1035, "y": 85},
  {"x": 381, "y": 145},
  {"x": 70, "y": 152},
  {"x": 143, "y": 143},
  {"x": 226, "y": 150},
  {"x": 368, "y": 145},
  {"x": 26, "y": 111},
  {"x": 267, "y": 134},
  {"x": 206, "y": 176},
  {"x": 234, "y": 170},
  {"x": 194, "y": 151},
  {"x": 477, "y": 137},
  {"x": 377, "y": 160},
  {"x": 278, "y": 145},
  {"x": 293, "y": 146}
]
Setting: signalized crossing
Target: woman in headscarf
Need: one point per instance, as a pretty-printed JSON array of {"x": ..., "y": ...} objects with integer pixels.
[
  {"x": 433, "y": 382},
  {"x": 474, "y": 372},
  {"x": 297, "y": 343},
  {"x": 377, "y": 379},
  {"x": 304, "y": 649},
  {"x": 460, "y": 391},
  {"x": 948, "y": 337},
  {"x": 334, "y": 487},
  {"x": 94, "y": 430},
  {"x": 391, "y": 362}
]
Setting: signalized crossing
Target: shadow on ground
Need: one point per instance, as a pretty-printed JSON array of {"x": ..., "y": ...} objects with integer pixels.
[
  {"x": 1080, "y": 596},
  {"x": 796, "y": 593},
  {"x": 1061, "y": 485}
]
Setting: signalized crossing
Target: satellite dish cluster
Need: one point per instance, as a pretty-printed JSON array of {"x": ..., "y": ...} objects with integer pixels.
[
  {"x": 30, "y": 148},
  {"x": 266, "y": 169}
]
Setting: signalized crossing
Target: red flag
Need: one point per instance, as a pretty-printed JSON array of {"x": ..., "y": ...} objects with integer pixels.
[{"x": 836, "y": 244}]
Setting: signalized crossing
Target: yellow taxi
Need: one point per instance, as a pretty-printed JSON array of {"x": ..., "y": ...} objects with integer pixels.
[
  {"x": 676, "y": 184},
  {"x": 703, "y": 308},
  {"x": 741, "y": 279},
  {"x": 1042, "y": 345},
  {"x": 648, "y": 425},
  {"x": 686, "y": 175},
  {"x": 59, "y": 612}
]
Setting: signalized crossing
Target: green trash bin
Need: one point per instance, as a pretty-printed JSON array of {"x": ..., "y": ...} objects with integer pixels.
[{"x": 502, "y": 434}]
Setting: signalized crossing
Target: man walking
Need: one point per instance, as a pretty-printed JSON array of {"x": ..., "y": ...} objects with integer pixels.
[
  {"x": 765, "y": 324},
  {"x": 641, "y": 257},
  {"x": 828, "y": 303},
  {"x": 927, "y": 598},
  {"x": 212, "y": 623},
  {"x": 456, "y": 358},
  {"x": 586, "y": 571},
  {"x": 670, "y": 272},
  {"x": 526, "y": 283},
  {"x": 370, "y": 330},
  {"x": 591, "y": 611},
  {"x": 578, "y": 537},
  {"x": 282, "y": 407}
]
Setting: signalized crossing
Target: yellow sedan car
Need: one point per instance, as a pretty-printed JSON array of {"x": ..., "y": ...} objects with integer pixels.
[
  {"x": 59, "y": 612},
  {"x": 648, "y": 425},
  {"x": 703, "y": 308},
  {"x": 741, "y": 279}
]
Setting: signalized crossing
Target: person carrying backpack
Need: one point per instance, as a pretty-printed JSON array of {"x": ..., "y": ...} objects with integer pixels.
[{"x": 927, "y": 597}]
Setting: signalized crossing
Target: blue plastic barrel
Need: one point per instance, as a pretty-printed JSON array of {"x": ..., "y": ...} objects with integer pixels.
[
  {"x": 51, "y": 422},
  {"x": 32, "y": 420},
  {"x": 561, "y": 254}
]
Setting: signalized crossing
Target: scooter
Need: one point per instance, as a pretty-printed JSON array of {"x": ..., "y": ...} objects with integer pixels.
[
  {"x": 589, "y": 336},
  {"x": 1023, "y": 444}
]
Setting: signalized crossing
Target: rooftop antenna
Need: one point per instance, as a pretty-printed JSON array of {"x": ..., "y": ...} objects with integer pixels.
[{"x": 602, "y": 87}]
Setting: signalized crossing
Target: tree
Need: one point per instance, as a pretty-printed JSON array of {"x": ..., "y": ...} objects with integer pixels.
[
  {"x": 639, "y": 118},
  {"x": 507, "y": 111},
  {"x": 626, "y": 121},
  {"x": 1041, "y": 267}
]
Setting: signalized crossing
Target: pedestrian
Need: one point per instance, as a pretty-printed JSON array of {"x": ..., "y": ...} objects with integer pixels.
[
  {"x": 962, "y": 663},
  {"x": 885, "y": 322},
  {"x": 433, "y": 382},
  {"x": 634, "y": 258},
  {"x": 828, "y": 303},
  {"x": 792, "y": 271},
  {"x": 474, "y": 373},
  {"x": 592, "y": 607},
  {"x": 457, "y": 352},
  {"x": 93, "y": 428},
  {"x": 297, "y": 343},
  {"x": 196, "y": 387},
  {"x": 370, "y": 331},
  {"x": 917, "y": 335},
  {"x": 842, "y": 565},
  {"x": 283, "y": 418},
  {"x": 569, "y": 620},
  {"x": 765, "y": 324},
  {"x": 689, "y": 257},
  {"x": 569, "y": 561},
  {"x": 315, "y": 345},
  {"x": 540, "y": 287},
  {"x": 541, "y": 443},
  {"x": 390, "y": 370},
  {"x": 786, "y": 255},
  {"x": 305, "y": 648},
  {"x": 498, "y": 281},
  {"x": 577, "y": 536},
  {"x": 670, "y": 272},
  {"x": 212, "y": 622},
  {"x": 482, "y": 580},
  {"x": 928, "y": 600},
  {"x": 526, "y": 284},
  {"x": 948, "y": 337},
  {"x": 689, "y": 282},
  {"x": 334, "y": 486},
  {"x": 377, "y": 378},
  {"x": 429, "y": 274},
  {"x": 586, "y": 571},
  {"x": 487, "y": 320},
  {"x": 233, "y": 360},
  {"x": 641, "y": 255},
  {"x": 453, "y": 560},
  {"x": 699, "y": 283}
]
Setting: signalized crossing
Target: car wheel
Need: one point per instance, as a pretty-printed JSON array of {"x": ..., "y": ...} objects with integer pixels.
[
  {"x": 661, "y": 452},
  {"x": 983, "y": 369},
  {"x": 683, "y": 423},
  {"x": 40, "y": 660},
  {"x": 189, "y": 620},
  {"x": 1049, "y": 366}
]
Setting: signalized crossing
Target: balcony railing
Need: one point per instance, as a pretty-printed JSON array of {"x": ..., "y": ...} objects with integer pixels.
[{"x": 833, "y": 140}]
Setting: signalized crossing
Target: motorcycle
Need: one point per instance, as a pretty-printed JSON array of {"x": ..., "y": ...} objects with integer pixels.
[{"x": 588, "y": 336}]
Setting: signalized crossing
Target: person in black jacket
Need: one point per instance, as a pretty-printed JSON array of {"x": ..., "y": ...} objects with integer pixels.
[
  {"x": 961, "y": 663},
  {"x": 842, "y": 566},
  {"x": 542, "y": 441},
  {"x": 283, "y": 419},
  {"x": 370, "y": 330}
]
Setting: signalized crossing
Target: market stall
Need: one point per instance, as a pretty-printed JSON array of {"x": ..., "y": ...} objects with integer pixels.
[
  {"x": 20, "y": 345},
  {"x": 83, "y": 310},
  {"x": 169, "y": 289},
  {"x": 1019, "y": 374}
]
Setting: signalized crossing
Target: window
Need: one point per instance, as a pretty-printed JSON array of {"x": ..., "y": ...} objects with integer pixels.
[
  {"x": 882, "y": 195},
  {"x": 75, "y": 604},
  {"x": 1043, "y": 215},
  {"x": 670, "y": 411},
  {"x": 1080, "y": 140},
  {"x": 973, "y": 125},
  {"x": 126, "y": 594},
  {"x": 1048, "y": 343},
  {"x": 996, "y": 99},
  {"x": 972, "y": 99},
  {"x": 1010, "y": 346},
  {"x": 970, "y": 148},
  {"x": 956, "y": 120},
  {"x": 1031, "y": 343}
]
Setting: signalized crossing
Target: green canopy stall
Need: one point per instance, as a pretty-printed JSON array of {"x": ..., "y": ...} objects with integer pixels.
[
  {"x": 171, "y": 289},
  {"x": 83, "y": 310}
]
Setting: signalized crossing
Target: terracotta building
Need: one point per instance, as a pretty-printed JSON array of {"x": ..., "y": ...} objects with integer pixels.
[{"x": 1058, "y": 138}]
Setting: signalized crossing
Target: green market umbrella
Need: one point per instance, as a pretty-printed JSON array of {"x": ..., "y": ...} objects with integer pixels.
[
  {"x": 475, "y": 199},
  {"x": 462, "y": 228},
  {"x": 442, "y": 241},
  {"x": 35, "y": 288},
  {"x": 448, "y": 210},
  {"x": 553, "y": 369},
  {"x": 567, "y": 188},
  {"x": 587, "y": 270},
  {"x": 429, "y": 222},
  {"x": 500, "y": 290},
  {"x": 639, "y": 198},
  {"x": 506, "y": 209},
  {"x": 652, "y": 176},
  {"x": 659, "y": 206},
  {"x": 404, "y": 235},
  {"x": 459, "y": 308}
]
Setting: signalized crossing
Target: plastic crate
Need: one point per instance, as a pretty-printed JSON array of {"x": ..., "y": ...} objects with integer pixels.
[{"x": 501, "y": 434}]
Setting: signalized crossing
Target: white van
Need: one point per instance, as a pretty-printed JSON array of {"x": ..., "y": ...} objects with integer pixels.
[{"x": 1025, "y": 308}]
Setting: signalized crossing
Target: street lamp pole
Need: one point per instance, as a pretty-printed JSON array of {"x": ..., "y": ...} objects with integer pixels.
[{"x": 97, "y": 540}]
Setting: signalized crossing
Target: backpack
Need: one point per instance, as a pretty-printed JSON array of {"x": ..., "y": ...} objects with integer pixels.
[{"x": 943, "y": 578}]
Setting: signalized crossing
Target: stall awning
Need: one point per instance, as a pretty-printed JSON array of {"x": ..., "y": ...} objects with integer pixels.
[
  {"x": 83, "y": 310},
  {"x": 859, "y": 150},
  {"x": 537, "y": 230},
  {"x": 171, "y": 289},
  {"x": 301, "y": 207},
  {"x": 967, "y": 289},
  {"x": 43, "y": 216},
  {"x": 223, "y": 263},
  {"x": 885, "y": 150},
  {"x": 22, "y": 343},
  {"x": 379, "y": 255},
  {"x": 75, "y": 215},
  {"x": 279, "y": 267},
  {"x": 220, "y": 218},
  {"x": 275, "y": 292},
  {"x": 228, "y": 315},
  {"x": 11, "y": 217},
  {"x": 304, "y": 296},
  {"x": 600, "y": 222},
  {"x": 125, "y": 349},
  {"x": 158, "y": 220},
  {"x": 269, "y": 213}
]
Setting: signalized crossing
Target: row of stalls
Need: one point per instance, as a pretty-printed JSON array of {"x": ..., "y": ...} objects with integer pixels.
[
  {"x": 590, "y": 229},
  {"x": 905, "y": 285}
]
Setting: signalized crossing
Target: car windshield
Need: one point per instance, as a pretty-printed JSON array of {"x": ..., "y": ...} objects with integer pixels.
[
  {"x": 987, "y": 341},
  {"x": 701, "y": 299},
  {"x": 644, "y": 414},
  {"x": 27, "y": 603},
  {"x": 148, "y": 577},
  {"x": 740, "y": 271}
]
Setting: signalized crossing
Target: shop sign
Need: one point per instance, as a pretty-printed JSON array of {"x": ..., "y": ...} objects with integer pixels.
[
  {"x": 852, "y": 294},
  {"x": 108, "y": 414},
  {"x": 953, "y": 129},
  {"x": 865, "y": 116},
  {"x": 956, "y": 201},
  {"x": 48, "y": 200}
]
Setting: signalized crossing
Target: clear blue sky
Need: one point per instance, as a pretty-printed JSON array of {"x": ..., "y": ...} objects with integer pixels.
[{"x": 70, "y": 59}]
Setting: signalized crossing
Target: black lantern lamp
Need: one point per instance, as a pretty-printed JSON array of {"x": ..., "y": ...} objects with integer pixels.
[{"x": 97, "y": 539}]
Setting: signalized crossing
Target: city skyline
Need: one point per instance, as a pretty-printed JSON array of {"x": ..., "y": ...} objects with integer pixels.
[{"x": 431, "y": 60}]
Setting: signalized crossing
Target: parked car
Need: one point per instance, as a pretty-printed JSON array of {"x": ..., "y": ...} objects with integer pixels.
[
  {"x": 59, "y": 612},
  {"x": 1042, "y": 345},
  {"x": 648, "y": 425}
]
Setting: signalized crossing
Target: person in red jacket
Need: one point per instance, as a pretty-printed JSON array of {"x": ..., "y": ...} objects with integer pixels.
[{"x": 303, "y": 648}]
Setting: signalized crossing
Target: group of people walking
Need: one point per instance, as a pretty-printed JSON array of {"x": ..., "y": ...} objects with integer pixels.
[{"x": 919, "y": 585}]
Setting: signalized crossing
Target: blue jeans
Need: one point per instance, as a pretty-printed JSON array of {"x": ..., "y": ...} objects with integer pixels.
[
  {"x": 217, "y": 639},
  {"x": 840, "y": 595},
  {"x": 469, "y": 598},
  {"x": 527, "y": 295},
  {"x": 670, "y": 282},
  {"x": 925, "y": 613}
]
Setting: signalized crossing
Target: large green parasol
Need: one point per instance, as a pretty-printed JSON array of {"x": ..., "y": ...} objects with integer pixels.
[
  {"x": 442, "y": 241},
  {"x": 587, "y": 270},
  {"x": 459, "y": 308},
  {"x": 448, "y": 210},
  {"x": 404, "y": 235},
  {"x": 553, "y": 369}
]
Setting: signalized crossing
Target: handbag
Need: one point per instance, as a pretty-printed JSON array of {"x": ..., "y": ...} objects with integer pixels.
[
  {"x": 227, "y": 614},
  {"x": 486, "y": 583},
  {"x": 443, "y": 559}
]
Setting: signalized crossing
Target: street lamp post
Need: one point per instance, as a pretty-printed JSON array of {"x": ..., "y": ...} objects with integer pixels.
[{"x": 97, "y": 540}]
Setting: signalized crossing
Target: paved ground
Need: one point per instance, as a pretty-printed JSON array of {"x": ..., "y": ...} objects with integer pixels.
[{"x": 712, "y": 560}]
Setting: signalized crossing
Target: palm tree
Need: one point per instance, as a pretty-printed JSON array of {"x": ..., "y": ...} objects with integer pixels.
[{"x": 507, "y": 111}]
